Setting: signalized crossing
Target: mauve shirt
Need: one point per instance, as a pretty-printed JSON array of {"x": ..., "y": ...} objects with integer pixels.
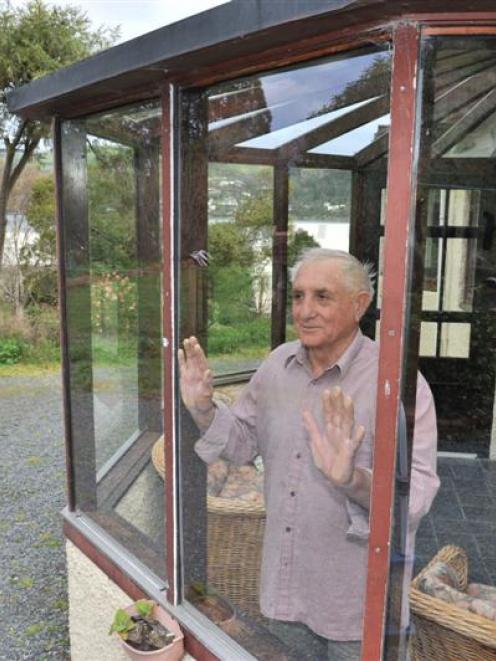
[{"x": 314, "y": 563}]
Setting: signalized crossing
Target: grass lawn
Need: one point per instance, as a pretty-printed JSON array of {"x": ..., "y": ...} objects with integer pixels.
[{"x": 29, "y": 369}]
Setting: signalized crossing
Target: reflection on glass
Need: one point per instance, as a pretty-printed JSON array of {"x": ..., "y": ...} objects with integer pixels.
[
  {"x": 455, "y": 340},
  {"x": 436, "y": 202},
  {"x": 273, "y": 165},
  {"x": 280, "y": 100},
  {"x": 112, "y": 235},
  {"x": 320, "y": 208},
  {"x": 480, "y": 142},
  {"x": 240, "y": 258},
  {"x": 432, "y": 272},
  {"x": 428, "y": 339},
  {"x": 357, "y": 140},
  {"x": 279, "y": 137},
  {"x": 459, "y": 274},
  {"x": 459, "y": 532},
  {"x": 463, "y": 208},
  {"x": 112, "y": 254}
]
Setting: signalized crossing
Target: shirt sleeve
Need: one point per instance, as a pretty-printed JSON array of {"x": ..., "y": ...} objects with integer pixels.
[
  {"x": 233, "y": 432},
  {"x": 424, "y": 481}
]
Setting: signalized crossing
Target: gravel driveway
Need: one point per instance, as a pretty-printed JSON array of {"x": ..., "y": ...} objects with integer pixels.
[{"x": 33, "y": 585}]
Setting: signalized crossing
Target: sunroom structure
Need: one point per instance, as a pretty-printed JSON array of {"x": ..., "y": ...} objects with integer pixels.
[{"x": 192, "y": 165}]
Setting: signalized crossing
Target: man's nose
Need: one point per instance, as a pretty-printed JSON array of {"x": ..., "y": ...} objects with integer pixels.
[{"x": 307, "y": 308}]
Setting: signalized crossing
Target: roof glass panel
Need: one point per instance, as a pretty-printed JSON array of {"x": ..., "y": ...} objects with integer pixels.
[
  {"x": 270, "y": 111},
  {"x": 355, "y": 141},
  {"x": 278, "y": 138}
]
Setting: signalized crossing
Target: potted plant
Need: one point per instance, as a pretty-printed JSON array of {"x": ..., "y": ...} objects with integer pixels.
[{"x": 147, "y": 631}]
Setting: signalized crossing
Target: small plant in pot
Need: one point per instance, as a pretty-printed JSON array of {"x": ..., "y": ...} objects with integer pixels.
[{"x": 146, "y": 630}]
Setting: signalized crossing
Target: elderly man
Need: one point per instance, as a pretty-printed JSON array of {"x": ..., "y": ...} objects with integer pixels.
[{"x": 309, "y": 411}]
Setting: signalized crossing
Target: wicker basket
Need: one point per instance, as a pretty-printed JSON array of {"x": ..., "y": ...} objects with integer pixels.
[
  {"x": 444, "y": 632},
  {"x": 235, "y": 531}
]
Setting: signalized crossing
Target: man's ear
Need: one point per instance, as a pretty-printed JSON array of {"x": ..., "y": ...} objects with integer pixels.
[{"x": 362, "y": 302}]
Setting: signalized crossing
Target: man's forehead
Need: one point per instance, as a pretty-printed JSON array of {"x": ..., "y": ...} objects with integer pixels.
[{"x": 319, "y": 275}]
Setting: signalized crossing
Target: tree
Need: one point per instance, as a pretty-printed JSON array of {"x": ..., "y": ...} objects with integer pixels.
[
  {"x": 229, "y": 271},
  {"x": 21, "y": 273},
  {"x": 35, "y": 39},
  {"x": 40, "y": 214},
  {"x": 241, "y": 253},
  {"x": 111, "y": 197}
]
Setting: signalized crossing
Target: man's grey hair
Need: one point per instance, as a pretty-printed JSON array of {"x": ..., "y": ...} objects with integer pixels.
[{"x": 358, "y": 276}]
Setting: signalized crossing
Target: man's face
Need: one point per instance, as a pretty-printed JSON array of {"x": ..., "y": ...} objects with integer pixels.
[{"x": 325, "y": 312}]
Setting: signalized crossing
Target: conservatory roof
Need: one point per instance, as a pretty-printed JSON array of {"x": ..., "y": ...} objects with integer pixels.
[{"x": 239, "y": 35}]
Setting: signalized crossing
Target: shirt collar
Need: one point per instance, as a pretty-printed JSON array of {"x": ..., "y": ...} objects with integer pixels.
[{"x": 343, "y": 363}]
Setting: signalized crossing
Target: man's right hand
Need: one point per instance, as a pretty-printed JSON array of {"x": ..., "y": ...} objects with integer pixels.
[{"x": 196, "y": 381}]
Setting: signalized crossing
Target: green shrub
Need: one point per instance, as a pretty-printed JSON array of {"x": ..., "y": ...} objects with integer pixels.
[
  {"x": 241, "y": 337},
  {"x": 35, "y": 334},
  {"x": 41, "y": 353},
  {"x": 44, "y": 324},
  {"x": 10, "y": 351}
]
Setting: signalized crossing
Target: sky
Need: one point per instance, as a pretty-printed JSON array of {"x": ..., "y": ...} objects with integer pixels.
[{"x": 135, "y": 17}]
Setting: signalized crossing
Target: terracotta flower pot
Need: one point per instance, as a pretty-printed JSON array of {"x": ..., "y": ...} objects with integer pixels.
[{"x": 172, "y": 652}]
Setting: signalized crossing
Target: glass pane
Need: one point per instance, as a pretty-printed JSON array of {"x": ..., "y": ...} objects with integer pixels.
[
  {"x": 463, "y": 208},
  {"x": 112, "y": 242},
  {"x": 270, "y": 167},
  {"x": 112, "y": 255},
  {"x": 479, "y": 141},
  {"x": 455, "y": 340},
  {"x": 459, "y": 274},
  {"x": 383, "y": 206},
  {"x": 240, "y": 255},
  {"x": 437, "y": 205},
  {"x": 356, "y": 140},
  {"x": 432, "y": 273},
  {"x": 457, "y": 525},
  {"x": 320, "y": 207},
  {"x": 428, "y": 339}
]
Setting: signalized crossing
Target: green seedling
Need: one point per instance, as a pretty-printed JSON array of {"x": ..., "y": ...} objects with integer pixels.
[
  {"x": 144, "y": 607},
  {"x": 141, "y": 631},
  {"x": 122, "y": 624}
]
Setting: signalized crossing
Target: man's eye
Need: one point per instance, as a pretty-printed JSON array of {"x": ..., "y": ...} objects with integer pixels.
[
  {"x": 297, "y": 296},
  {"x": 323, "y": 296}
]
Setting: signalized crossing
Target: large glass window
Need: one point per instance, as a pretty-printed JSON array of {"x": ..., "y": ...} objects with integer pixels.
[
  {"x": 270, "y": 165},
  {"x": 111, "y": 246},
  {"x": 453, "y": 306}
]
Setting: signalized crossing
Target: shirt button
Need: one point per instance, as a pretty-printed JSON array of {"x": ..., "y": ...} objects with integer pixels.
[
  {"x": 288, "y": 529},
  {"x": 292, "y": 493},
  {"x": 298, "y": 455}
]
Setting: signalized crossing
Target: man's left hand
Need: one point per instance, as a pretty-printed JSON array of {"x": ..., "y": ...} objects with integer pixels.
[{"x": 334, "y": 451}]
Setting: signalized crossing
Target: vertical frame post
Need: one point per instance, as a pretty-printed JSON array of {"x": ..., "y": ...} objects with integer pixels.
[
  {"x": 64, "y": 335},
  {"x": 147, "y": 181},
  {"x": 398, "y": 235},
  {"x": 169, "y": 342},
  {"x": 191, "y": 319},
  {"x": 280, "y": 253}
]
